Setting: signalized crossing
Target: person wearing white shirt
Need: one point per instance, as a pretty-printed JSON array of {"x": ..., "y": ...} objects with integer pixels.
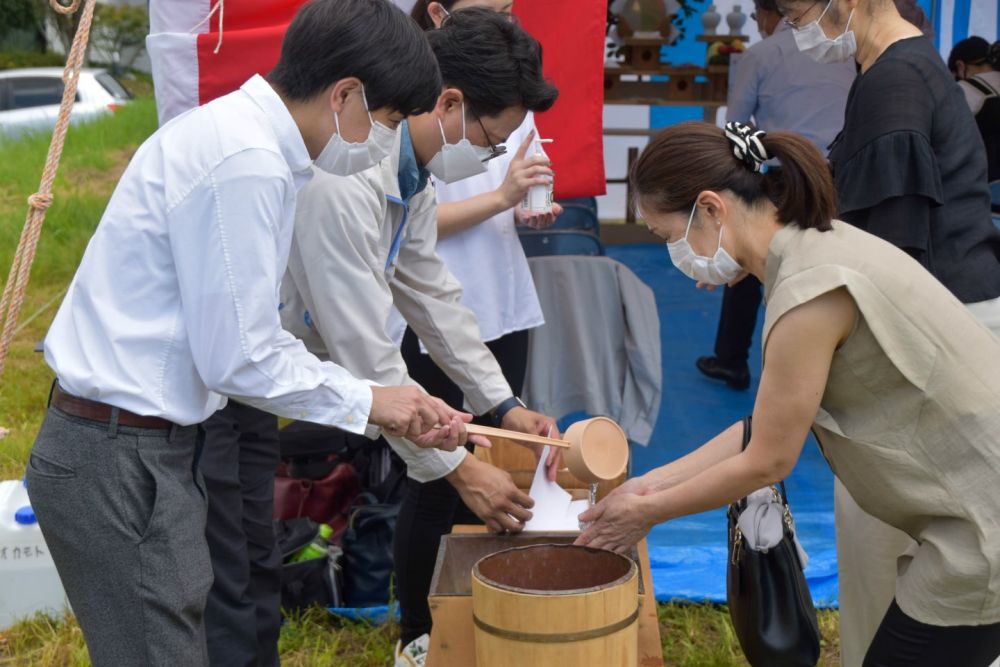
[
  {"x": 378, "y": 230},
  {"x": 781, "y": 89},
  {"x": 174, "y": 309}
]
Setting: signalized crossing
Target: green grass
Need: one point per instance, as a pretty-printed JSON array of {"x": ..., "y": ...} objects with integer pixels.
[
  {"x": 692, "y": 636},
  {"x": 313, "y": 638},
  {"x": 700, "y": 635},
  {"x": 94, "y": 157}
]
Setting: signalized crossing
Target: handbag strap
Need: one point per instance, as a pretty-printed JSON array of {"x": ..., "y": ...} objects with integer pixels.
[
  {"x": 747, "y": 423},
  {"x": 747, "y": 431}
]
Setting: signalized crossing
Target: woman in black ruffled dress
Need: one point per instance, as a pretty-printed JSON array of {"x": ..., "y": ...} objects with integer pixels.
[{"x": 910, "y": 167}]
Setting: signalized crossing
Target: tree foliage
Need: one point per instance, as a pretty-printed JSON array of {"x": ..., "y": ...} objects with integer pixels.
[
  {"x": 17, "y": 15},
  {"x": 118, "y": 28},
  {"x": 65, "y": 26}
]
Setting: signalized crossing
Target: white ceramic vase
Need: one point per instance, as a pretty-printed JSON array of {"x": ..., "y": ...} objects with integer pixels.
[
  {"x": 736, "y": 19},
  {"x": 710, "y": 20}
]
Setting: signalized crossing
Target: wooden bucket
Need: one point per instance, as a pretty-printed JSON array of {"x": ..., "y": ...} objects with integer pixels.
[{"x": 556, "y": 605}]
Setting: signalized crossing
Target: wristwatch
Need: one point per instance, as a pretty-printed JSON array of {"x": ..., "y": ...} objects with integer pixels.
[{"x": 499, "y": 412}]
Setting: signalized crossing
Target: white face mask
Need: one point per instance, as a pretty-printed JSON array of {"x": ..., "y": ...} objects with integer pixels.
[
  {"x": 717, "y": 270},
  {"x": 343, "y": 158},
  {"x": 457, "y": 161},
  {"x": 812, "y": 41}
]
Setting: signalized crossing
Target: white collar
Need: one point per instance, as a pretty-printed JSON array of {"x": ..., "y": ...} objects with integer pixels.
[{"x": 293, "y": 147}]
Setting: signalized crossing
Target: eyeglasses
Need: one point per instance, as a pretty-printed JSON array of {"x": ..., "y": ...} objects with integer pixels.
[
  {"x": 509, "y": 15},
  {"x": 795, "y": 22},
  {"x": 495, "y": 150}
]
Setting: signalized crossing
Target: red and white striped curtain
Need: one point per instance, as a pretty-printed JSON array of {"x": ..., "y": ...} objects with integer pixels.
[{"x": 201, "y": 50}]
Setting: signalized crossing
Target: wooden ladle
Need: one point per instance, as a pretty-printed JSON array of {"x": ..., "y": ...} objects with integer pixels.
[{"x": 596, "y": 450}]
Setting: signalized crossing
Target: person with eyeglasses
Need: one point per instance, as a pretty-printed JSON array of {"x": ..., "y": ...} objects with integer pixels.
[
  {"x": 366, "y": 243},
  {"x": 780, "y": 89},
  {"x": 910, "y": 168},
  {"x": 477, "y": 220},
  {"x": 429, "y": 14},
  {"x": 478, "y": 240}
]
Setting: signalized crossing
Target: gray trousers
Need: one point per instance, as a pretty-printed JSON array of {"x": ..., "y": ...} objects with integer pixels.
[{"x": 123, "y": 514}]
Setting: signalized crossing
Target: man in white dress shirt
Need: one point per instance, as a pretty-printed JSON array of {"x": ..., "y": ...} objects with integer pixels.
[
  {"x": 174, "y": 308},
  {"x": 380, "y": 229}
]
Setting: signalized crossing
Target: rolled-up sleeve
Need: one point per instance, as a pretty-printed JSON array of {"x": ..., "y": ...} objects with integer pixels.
[{"x": 227, "y": 266}]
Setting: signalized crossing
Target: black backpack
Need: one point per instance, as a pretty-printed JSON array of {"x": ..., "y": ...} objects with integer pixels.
[
  {"x": 367, "y": 548},
  {"x": 988, "y": 120}
]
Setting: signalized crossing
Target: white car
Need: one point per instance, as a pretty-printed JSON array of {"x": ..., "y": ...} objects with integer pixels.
[{"x": 29, "y": 98}]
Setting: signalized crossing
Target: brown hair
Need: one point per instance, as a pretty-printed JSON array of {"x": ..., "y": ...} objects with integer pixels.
[{"x": 687, "y": 158}]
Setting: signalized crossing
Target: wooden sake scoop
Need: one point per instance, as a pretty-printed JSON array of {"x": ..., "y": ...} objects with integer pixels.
[
  {"x": 596, "y": 449},
  {"x": 490, "y": 432}
]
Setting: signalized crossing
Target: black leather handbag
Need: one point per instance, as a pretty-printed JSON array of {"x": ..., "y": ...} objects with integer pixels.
[{"x": 769, "y": 602}]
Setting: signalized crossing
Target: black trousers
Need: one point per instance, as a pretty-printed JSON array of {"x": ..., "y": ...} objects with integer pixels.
[
  {"x": 429, "y": 510},
  {"x": 904, "y": 642},
  {"x": 737, "y": 320},
  {"x": 239, "y": 461}
]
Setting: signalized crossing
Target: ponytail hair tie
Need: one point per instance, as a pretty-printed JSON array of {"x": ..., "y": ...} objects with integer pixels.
[{"x": 747, "y": 144}]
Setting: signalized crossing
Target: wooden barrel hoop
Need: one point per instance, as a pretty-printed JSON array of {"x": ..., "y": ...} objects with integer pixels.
[{"x": 556, "y": 638}]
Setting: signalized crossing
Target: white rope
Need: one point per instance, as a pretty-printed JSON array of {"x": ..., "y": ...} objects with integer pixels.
[{"x": 219, "y": 6}]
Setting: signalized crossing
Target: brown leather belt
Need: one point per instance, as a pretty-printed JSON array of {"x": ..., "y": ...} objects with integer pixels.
[{"x": 101, "y": 412}]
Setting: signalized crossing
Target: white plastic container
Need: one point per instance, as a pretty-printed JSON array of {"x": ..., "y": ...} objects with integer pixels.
[
  {"x": 29, "y": 582},
  {"x": 538, "y": 198}
]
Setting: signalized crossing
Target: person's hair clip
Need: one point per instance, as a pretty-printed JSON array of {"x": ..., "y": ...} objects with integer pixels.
[{"x": 747, "y": 144}]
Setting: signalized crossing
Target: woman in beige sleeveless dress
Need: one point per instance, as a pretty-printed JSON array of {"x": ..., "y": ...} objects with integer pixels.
[{"x": 898, "y": 381}]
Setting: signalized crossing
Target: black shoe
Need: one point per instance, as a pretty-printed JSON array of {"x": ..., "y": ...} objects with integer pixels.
[{"x": 736, "y": 378}]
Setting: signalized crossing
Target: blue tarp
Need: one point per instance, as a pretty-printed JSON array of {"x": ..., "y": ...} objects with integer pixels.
[
  {"x": 373, "y": 615},
  {"x": 688, "y": 556}
]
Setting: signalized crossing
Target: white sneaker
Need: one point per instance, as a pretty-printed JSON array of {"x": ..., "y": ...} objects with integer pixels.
[{"x": 413, "y": 654}]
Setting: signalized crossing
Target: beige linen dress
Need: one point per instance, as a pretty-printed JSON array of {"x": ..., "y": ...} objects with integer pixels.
[{"x": 910, "y": 417}]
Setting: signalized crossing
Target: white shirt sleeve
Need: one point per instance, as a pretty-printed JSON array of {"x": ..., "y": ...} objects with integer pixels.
[{"x": 227, "y": 266}]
